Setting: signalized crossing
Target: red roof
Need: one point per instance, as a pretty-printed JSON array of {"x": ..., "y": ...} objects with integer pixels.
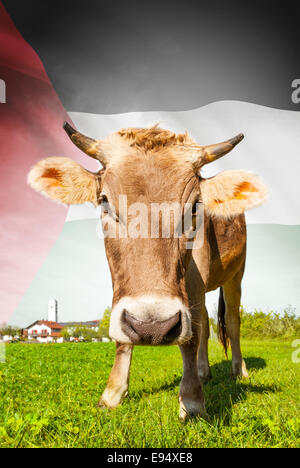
[{"x": 52, "y": 325}]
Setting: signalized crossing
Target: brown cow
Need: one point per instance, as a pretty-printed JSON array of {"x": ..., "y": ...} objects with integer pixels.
[{"x": 159, "y": 283}]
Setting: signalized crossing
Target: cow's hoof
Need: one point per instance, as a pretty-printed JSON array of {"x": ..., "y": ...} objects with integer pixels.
[
  {"x": 104, "y": 404},
  {"x": 190, "y": 408},
  {"x": 239, "y": 370},
  {"x": 111, "y": 398}
]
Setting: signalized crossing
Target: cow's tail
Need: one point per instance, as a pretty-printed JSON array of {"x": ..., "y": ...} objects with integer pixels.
[{"x": 222, "y": 334}]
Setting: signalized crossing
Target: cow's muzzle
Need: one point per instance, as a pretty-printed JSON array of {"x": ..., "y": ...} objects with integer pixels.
[
  {"x": 150, "y": 320},
  {"x": 152, "y": 332}
]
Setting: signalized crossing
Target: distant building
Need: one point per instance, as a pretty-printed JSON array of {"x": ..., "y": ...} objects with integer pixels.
[
  {"x": 9, "y": 338},
  {"x": 44, "y": 331},
  {"x": 50, "y": 331},
  {"x": 106, "y": 340},
  {"x": 52, "y": 310}
]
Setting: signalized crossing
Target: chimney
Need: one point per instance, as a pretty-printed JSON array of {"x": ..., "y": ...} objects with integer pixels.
[{"x": 52, "y": 310}]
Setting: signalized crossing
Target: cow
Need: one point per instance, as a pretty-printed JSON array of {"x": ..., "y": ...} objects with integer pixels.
[{"x": 159, "y": 282}]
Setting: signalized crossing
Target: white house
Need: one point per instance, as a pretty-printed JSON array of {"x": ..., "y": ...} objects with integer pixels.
[
  {"x": 44, "y": 331},
  {"x": 8, "y": 338}
]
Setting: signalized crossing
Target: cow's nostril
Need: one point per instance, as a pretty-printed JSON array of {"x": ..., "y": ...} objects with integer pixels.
[
  {"x": 127, "y": 325},
  {"x": 174, "y": 332},
  {"x": 151, "y": 332}
]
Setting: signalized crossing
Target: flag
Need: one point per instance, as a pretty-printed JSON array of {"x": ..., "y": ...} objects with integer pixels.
[{"x": 103, "y": 67}]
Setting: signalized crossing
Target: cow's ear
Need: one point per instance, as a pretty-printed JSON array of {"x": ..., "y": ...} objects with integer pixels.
[
  {"x": 64, "y": 181},
  {"x": 230, "y": 193}
]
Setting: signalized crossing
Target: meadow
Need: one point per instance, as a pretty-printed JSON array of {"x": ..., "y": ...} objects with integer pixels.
[{"x": 48, "y": 397}]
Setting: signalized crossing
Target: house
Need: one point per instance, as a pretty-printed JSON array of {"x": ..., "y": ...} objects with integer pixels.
[
  {"x": 9, "y": 338},
  {"x": 44, "y": 331}
]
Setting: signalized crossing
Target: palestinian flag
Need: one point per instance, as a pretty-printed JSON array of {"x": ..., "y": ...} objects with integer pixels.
[{"x": 208, "y": 68}]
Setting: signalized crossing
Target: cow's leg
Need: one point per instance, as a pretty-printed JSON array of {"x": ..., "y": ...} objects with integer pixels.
[
  {"x": 203, "y": 363},
  {"x": 232, "y": 298},
  {"x": 191, "y": 398},
  {"x": 118, "y": 381}
]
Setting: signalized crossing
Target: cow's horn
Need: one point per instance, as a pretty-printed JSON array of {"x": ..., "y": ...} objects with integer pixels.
[
  {"x": 88, "y": 145},
  {"x": 213, "y": 152}
]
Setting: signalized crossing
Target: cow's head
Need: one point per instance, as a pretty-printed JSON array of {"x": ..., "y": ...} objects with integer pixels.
[{"x": 150, "y": 167}]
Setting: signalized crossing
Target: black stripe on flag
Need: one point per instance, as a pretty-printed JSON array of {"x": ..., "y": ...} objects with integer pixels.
[{"x": 112, "y": 57}]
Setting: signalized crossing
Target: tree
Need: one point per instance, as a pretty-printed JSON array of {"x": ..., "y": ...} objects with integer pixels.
[
  {"x": 88, "y": 334},
  {"x": 104, "y": 324},
  {"x": 10, "y": 331},
  {"x": 84, "y": 333},
  {"x": 77, "y": 332},
  {"x": 65, "y": 334}
]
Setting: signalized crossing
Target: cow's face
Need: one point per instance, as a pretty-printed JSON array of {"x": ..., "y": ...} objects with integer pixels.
[
  {"x": 146, "y": 252},
  {"x": 151, "y": 193}
]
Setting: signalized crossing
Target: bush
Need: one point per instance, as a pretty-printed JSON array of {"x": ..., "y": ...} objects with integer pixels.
[
  {"x": 271, "y": 324},
  {"x": 104, "y": 324},
  {"x": 266, "y": 324}
]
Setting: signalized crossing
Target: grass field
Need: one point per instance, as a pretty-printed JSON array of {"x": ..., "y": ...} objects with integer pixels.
[{"x": 49, "y": 395}]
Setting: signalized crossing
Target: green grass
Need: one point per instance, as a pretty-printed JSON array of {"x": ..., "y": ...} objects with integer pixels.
[{"x": 49, "y": 395}]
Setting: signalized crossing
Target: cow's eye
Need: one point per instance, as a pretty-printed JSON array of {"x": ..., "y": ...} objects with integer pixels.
[
  {"x": 103, "y": 199},
  {"x": 107, "y": 209},
  {"x": 104, "y": 204}
]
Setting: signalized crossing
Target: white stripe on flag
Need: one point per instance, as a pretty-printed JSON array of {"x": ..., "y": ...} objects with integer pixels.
[{"x": 270, "y": 148}]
